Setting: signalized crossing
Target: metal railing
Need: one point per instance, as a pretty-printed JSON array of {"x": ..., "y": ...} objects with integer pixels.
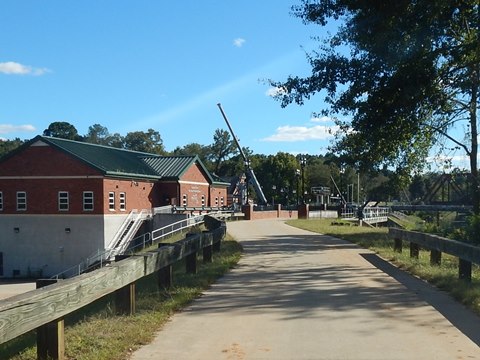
[
  {"x": 103, "y": 257},
  {"x": 369, "y": 214}
]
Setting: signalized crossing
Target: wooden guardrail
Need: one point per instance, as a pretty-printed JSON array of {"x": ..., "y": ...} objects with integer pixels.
[
  {"x": 466, "y": 253},
  {"x": 43, "y": 309}
]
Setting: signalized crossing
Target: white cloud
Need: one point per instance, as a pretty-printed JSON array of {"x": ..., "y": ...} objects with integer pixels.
[
  {"x": 13, "y": 68},
  {"x": 323, "y": 119},
  {"x": 8, "y": 128},
  {"x": 275, "y": 91},
  {"x": 302, "y": 133},
  {"x": 238, "y": 42}
]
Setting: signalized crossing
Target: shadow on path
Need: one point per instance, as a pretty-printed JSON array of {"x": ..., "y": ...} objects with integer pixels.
[{"x": 461, "y": 317}]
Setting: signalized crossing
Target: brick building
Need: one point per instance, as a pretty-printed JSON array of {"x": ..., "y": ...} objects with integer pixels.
[{"x": 62, "y": 200}]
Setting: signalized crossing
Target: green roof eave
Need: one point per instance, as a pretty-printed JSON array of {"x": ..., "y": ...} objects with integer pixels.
[{"x": 123, "y": 175}]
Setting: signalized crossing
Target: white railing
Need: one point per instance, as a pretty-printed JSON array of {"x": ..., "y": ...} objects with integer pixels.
[
  {"x": 172, "y": 228},
  {"x": 123, "y": 238},
  {"x": 370, "y": 214},
  {"x": 102, "y": 258}
]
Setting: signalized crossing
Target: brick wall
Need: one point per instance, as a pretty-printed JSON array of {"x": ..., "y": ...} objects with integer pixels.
[
  {"x": 42, "y": 195},
  {"x": 44, "y": 161},
  {"x": 138, "y": 195}
]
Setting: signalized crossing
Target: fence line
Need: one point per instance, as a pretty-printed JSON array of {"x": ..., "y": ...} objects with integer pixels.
[
  {"x": 40, "y": 308},
  {"x": 466, "y": 253}
]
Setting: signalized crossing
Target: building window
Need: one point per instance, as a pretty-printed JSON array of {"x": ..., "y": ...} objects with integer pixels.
[
  {"x": 221, "y": 201},
  {"x": 88, "y": 201},
  {"x": 21, "y": 201},
  {"x": 216, "y": 201},
  {"x": 63, "y": 202},
  {"x": 1, "y": 201},
  {"x": 123, "y": 201},
  {"x": 184, "y": 200},
  {"x": 111, "y": 201},
  {"x": 203, "y": 200}
]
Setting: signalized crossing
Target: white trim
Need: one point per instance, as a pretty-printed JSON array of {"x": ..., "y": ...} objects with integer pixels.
[
  {"x": 23, "y": 203},
  {"x": 111, "y": 201},
  {"x": 122, "y": 200},
  {"x": 39, "y": 143},
  {"x": 60, "y": 198},
  {"x": 193, "y": 182},
  {"x": 50, "y": 177},
  {"x": 83, "y": 200}
]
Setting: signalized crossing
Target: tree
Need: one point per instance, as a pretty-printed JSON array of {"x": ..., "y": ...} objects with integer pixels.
[
  {"x": 62, "y": 129},
  {"x": 410, "y": 76},
  {"x": 223, "y": 146},
  {"x": 149, "y": 142},
  {"x": 8, "y": 145},
  {"x": 97, "y": 134}
]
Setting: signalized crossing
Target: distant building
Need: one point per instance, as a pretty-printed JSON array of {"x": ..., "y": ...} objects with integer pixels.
[{"x": 63, "y": 200}]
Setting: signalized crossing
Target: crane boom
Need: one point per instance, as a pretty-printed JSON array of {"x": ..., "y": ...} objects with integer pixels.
[{"x": 250, "y": 173}]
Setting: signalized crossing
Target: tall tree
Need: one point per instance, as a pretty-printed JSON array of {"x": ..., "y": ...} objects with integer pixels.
[
  {"x": 406, "y": 73},
  {"x": 223, "y": 147},
  {"x": 62, "y": 129},
  {"x": 97, "y": 134},
  {"x": 149, "y": 142}
]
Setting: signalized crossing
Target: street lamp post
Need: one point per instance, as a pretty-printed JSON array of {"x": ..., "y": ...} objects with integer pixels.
[
  {"x": 297, "y": 176},
  {"x": 303, "y": 163}
]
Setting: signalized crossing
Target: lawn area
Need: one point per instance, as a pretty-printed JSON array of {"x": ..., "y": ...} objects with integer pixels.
[
  {"x": 97, "y": 333},
  {"x": 444, "y": 276}
]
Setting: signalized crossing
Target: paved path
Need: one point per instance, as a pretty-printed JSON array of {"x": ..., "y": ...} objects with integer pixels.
[
  {"x": 300, "y": 295},
  {"x": 9, "y": 288}
]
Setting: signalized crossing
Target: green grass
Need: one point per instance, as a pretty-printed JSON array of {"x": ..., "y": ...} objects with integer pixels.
[
  {"x": 96, "y": 333},
  {"x": 444, "y": 277}
]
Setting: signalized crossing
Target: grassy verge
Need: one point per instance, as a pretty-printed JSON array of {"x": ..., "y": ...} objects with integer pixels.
[
  {"x": 444, "y": 277},
  {"x": 98, "y": 334}
]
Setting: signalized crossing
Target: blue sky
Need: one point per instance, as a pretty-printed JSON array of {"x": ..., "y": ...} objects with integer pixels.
[{"x": 139, "y": 64}]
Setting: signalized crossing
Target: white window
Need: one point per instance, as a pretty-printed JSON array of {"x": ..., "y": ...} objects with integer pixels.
[
  {"x": 184, "y": 200},
  {"x": 1, "y": 201},
  {"x": 203, "y": 200},
  {"x": 111, "y": 201},
  {"x": 123, "y": 201},
  {"x": 21, "y": 201},
  {"x": 88, "y": 201},
  {"x": 221, "y": 201},
  {"x": 63, "y": 201}
]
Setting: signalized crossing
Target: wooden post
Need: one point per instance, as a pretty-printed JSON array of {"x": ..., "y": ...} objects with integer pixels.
[
  {"x": 397, "y": 245},
  {"x": 208, "y": 254},
  {"x": 464, "y": 270},
  {"x": 125, "y": 300},
  {"x": 165, "y": 277},
  {"x": 414, "y": 250},
  {"x": 435, "y": 257},
  {"x": 191, "y": 263},
  {"x": 125, "y": 297},
  {"x": 51, "y": 336}
]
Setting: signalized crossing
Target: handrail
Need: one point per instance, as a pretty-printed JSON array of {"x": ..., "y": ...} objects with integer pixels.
[
  {"x": 101, "y": 258},
  {"x": 28, "y": 311},
  {"x": 466, "y": 253}
]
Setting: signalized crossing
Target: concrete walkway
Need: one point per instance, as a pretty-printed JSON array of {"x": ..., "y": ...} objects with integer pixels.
[{"x": 300, "y": 295}]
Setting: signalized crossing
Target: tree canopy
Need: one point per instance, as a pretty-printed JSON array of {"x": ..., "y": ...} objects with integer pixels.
[
  {"x": 62, "y": 129},
  {"x": 398, "y": 77}
]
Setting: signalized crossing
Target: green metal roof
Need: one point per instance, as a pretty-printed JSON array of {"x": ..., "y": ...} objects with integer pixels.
[
  {"x": 169, "y": 166},
  {"x": 109, "y": 160},
  {"x": 124, "y": 163}
]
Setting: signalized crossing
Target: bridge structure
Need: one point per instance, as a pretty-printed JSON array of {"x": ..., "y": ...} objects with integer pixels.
[{"x": 368, "y": 215}]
